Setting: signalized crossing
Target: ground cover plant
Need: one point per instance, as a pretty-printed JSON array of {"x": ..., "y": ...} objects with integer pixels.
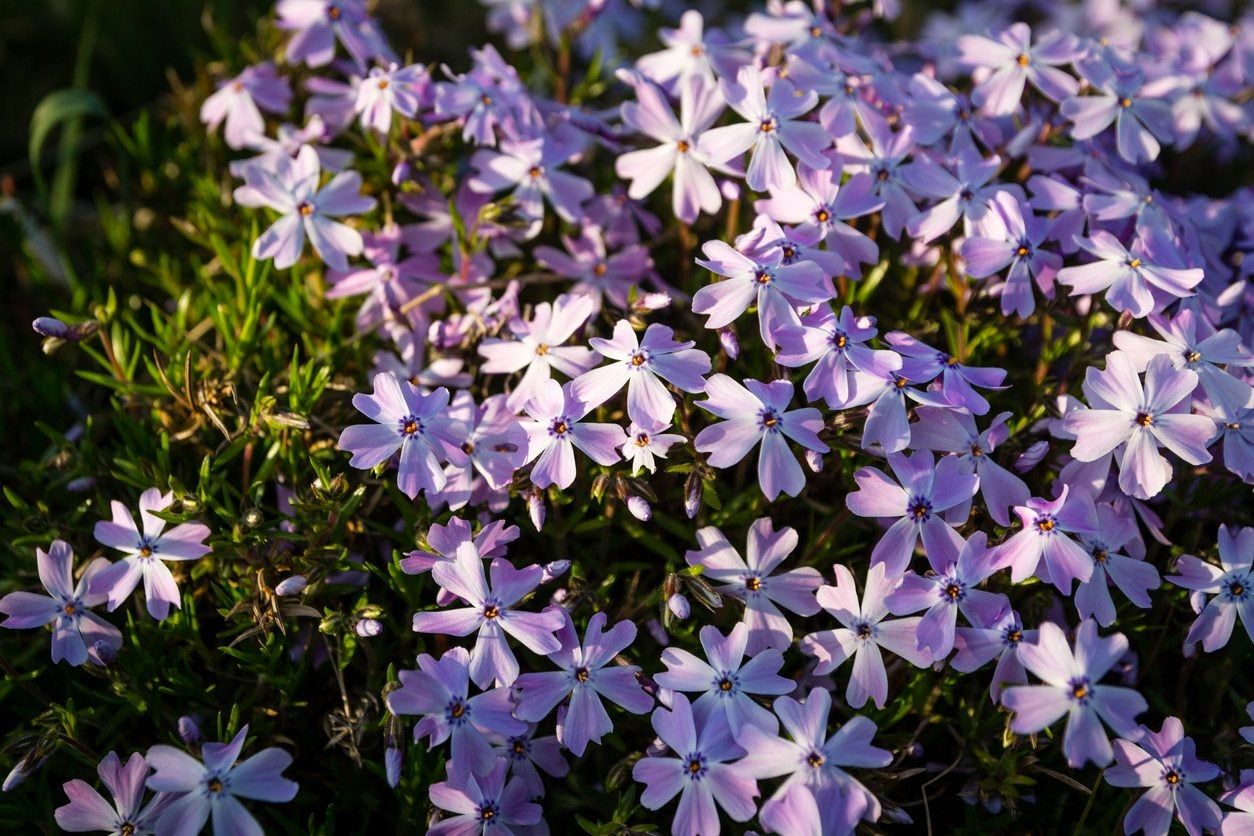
[{"x": 790, "y": 418}]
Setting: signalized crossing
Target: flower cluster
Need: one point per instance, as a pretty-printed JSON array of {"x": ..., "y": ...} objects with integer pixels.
[{"x": 534, "y": 346}]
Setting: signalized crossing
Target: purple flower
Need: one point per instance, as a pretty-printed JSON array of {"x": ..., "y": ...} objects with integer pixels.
[
  {"x": 968, "y": 197},
  {"x": 240, "y": 100},
  {"x": 1231, "y": 583},
  {"x": 439, "y": 691},
  {"x": 1141, "y": 117},
  {"x": 885, "y": 162},
  {"x": 483, "y": 803},
  {"x": 292, "y": 190},
  {"x": 862, "y": 633},
  {"x": 317, "y": 24},
  {"x": 702, "y": 772},
  {"x": 1141, "y": 418},
  {"x": 587, "y": 675},
  {"x": 1128, "y": 276},
  {"x": 557, "y": 428},
  {"x": 406, "y": 420},
  {"x": 999, "y": 638},
  {"x": 821, "y": 204},
  {"x": 1011, "y": 61},
  {"x": 887, "y": 389},
  {"x": 1134, "y": 577},
  {"x": 444, "y": 540},
  {"x": 925, "y": 492},
  {"x": 529, "y": 170},
  {"x": 145, "y": 551},
  {"x": 773, "y": 126},
  {"x": 495, "y": 447},
  {"x": 527, "y": 754},
  {"x": 949, "y": 588},
  {"x": 647, "y": 441},
  {"x": 726, "y": 681},
  {"x": 694, "y": 188},
  {"x": 390, "y": 281},
  {"x": 957, "y": 378},
  {"x": 388, "y": 89},
  {"x": 598, "y": 274},
  {"x": 88, "y": 811},
  {"x": 691, "y": 52},
  {"x": 750, "y": 579},
  {"x": 1019, "y": 249},
  {"x": 537, "y": 347},
  {"x": 1071, "y": 688},
  {"x": 489, "y": 614},
  {"x": 759, "y": 413},
  {"x": 1165, "y": 761},
  {"x": 952, "y": 431},
  {"x": 78, "y": 635},
  {"x": 213, "y": 788},
  {"x": 489, "y": 99},
  {"x": 1046, "y": 525},
  {"x": 642, "y": 365},
  {"x": 838, "y": 346},
  {"x": 760, "y": 278},
  {"x": 1240, "y": 798},
  {"x": 812, "y": 761},
  {"x": 1191, "y": 343}
]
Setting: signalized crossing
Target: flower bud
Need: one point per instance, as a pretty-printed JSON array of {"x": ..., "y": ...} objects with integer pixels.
[
  {"x": 293, "y": 585},
  {"x": 47, "y": 326},
  {"x": 692, "y": 496},
  {"x": 392, "y": 762},
  {"x": 679, "y": 606},
  {"x": 554, "y": 570},
  {"x": 730, "y": 342},
  {"x": 368, "y": 628},
  {"x": 81, "y": 485},
  {"x": 537, "y": 509},
  {"x": 18, "y": 773},
  {"x": 814, "y": 461},
  {"x": 189, "y": 729},
  {"x": 639, "y": 508}
]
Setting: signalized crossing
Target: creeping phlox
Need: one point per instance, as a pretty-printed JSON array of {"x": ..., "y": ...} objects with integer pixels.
[{"x": 1018, "y": 164}]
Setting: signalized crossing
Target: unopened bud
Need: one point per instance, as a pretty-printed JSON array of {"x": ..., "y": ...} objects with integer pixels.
[
  {"x": 368, "y": 628},
  {"x": 639, "y": 508},
  {"x": 47, "y": 326},
  {"x": 692, "y": 496},
  {"x": 293, "y": 585},
  {"x": 730, "y": 342},
  {"x": 554, "y": 570},
  {"x": 1031, "y": 457},
  {"x": 537, "y": 509},
  {"x": 679, "y": 606},
  {"x": 814, "y": 461},
  {"x": 189, "y": 729}
]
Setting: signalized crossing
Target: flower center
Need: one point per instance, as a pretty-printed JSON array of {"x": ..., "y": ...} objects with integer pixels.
[
  {"x": 127, "y": 829},
  {"x": 334, "y": 12},
  {"x": 468, "y": 447},
  {"x": 383, "y": 83},
  {"x": 560, "y": 427},
  {"x": 1080, "y": 689},
  {"x": 1022, "y": 251},
  {"x": 953, "y": 591},
  {"x": 695, "y": 767},
  {"x": 485, "y": 100},
  {"x": 725, "y": 684},
  {"x": 410, "y": 425},
  {"x": 69, "y": 608},
  {"x": 642, "y": 440},
  {"x": 534, "y": 172},
  {"x": 966, "y": 195},
  {"x": 1144, "y": 419},
  {"x": 519, "y": 746},
  {"x": 542, "y": 349},
  {"x": 753, "y": 583},
  {"x": 1134, "y": 263},
  {"x": 770, "y": 419},
  {"x": 682, "y": 146},
  {"x": 487, "y": 812},
  {"x": 457, "y": 709},
  {"x": 919, "y": 509},
  {"x": 815, "y": 760},
  {"x": 600, "y": 269},
  {"x": 1023, "y": 59},
  {"x": 976, "y": 449},
  {"x": 305, "y": 208},
  {"x": 491, "y": 611},
  {"x": 881, "y": 175},
  {"x": 1125, "y": 102},
  {"x": 767, "y": 125},
  {"x": 863, "y": 630},
  {"x": 215, "y": 785},
  {"x": 1172, "y": 777},
  {"x": 637, "y": 359},
  {"x": 1014, "y": 636},
  {"x": 1045, "y": 524},
  {"x": 763, "y": 277},
  {"x": 1237, "y": 589},
  {"x": 790, "y": 252},
  {"x": 1193, "y": 356},
  {"x": 581, "y": 674},
  {"x": 900, "y": 382},
  {"x": 822, "y": 216}
]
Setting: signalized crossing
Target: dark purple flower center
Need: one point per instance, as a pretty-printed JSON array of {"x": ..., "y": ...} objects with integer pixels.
[
  {"x": 638, "y": 358},
  {"x": 519, "y": 746},
  {"x": 694, "y": 765},
  {"x": 770, "y": 419},
  {"x": 147, "y": 548},
  {"x": 1144, "y": 419},
  {"x": 1100, "y": 554},
  {"x": 966, "y": 195},
  {"x": 1045, "y": 523},
  {"x": 409, "y": 425},
  {"x": 559, "y": 427},
  {"x": 535, "y": 172},
  {"x": 1192, "y": 355},
  {"x": 642, "y": 440},
  {"x": 1013, "y": 636},
  {"x": 334, "y": 12},
  {"x": 305, "y": 208},
  {"x": 768, "y": 125},
  {"x": 457, "y": 711},
  {"x": 952, "y": 590},
  {"x": 489, "y": 811},
  {"x": 581, "y": 674},
  {"x": 839, "y": 340},
  {"x": 816, "y": 759},
  {"x": 920, "y": 508},
  {"x": 127, "y": 829},
  {"x": 763, "y": 276},
  {"x": 215, "y": 785},
  {"x": 491, "y": 611},
  {"x": 1079, "y": 689},
  {"x": 1172, "y": 777},
  {"x": 1237, "y": 587},
  {"x": 863, "y": 630},
  {"x": 753, "y": 583},
  {"x": 822, "y": 215},
  {"x": 727, "y": 682}
]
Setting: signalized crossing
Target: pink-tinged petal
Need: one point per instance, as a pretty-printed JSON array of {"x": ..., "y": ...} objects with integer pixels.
[
  {"x": 160, "y": 590},
  {"x": 896, "y": 547},
  {"x": 56, "y": 568},
  {"x": 1185, "y": 435},
  {"x": 586, "y": 720},
  {"x": 795, "y": 589},
  {"x": 283, "y": 241},
  {"x": 900, "y": 636},
  {"x": 675, "y": 726},
  {"x": 734, "y": 791},
  {"x": 778, "y": 469},
  {"x": 620, "y": 684},
  {"x": 830, "y": 648},
  {"x": 173, "y": 770},
  {"x": 534, "y": 630},
  {"x": 795, "y": 813},
  {"x": 663, "y": 779},
  {"x": 458, "y": 622},
  {"x": 539, "y": 693},
  {"x": 722, "y": 144},
  {"x": 1097, "y": 431},
  {"x": 599, "y": 442},
  {"x": 724, "y": 301},
  {"x": 492, "y": 659},
  {"x": 1151, "y": 813},
  {"x": 868, "y": 680},
  {"x": 1050, "y": 657},
  {"x": 184, "y": 542},
  {"x": 877, "y": 495},
  {"x": 86, "y": 810},
  {"x": 728, "y": 442},
  {"x": 1035, "y": 707}
]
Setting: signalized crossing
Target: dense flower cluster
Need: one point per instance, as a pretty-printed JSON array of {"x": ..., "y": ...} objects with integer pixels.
[{"x": 1018, "y": 163}]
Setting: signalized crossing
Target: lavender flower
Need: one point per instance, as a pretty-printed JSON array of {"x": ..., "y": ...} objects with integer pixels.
[
  {"x": 389, "y": 89},
  {"x": 212, "y": 789},
  {"x": 1140, "y": 417},
  {"x": 88, "y": 811},
  {"x": 773, "y": 125},
  {"x": 751, "y": 580},
  {"x": 145, "y": 550},
  {"x": 1166, "y": 762},
  {"x": 1240, "y": 798},
  {"x": 1133, "y": 577},
  {"x": 408, "y": 421},
  {"x": 925, "y": 492},
  {"x": 1020, "y": 250},
  {"x": 950, "y": 588},
  {"x": 647, "y": 441},
  {"x": 1046, "y": 525},
  {"x": 1140, "y": 117},
  {"x": 1071, "y": 688},
  {"x": 758, "y": 412},
  {"x": 528, "y": 169},
  {"x": 527, "y": 755},
  {"x": 968, "y": 197},
  {"x": 957, "y": 378},
  {"x": 537, "y": 347},
  {"x": 78, "y": 635},
  {"x": 490, "y": 613},
  {"x": 812, "y": 761},
  {"x": 316, "y": 25},
  {"x": 240, "y": 100},
  {"x": 483, "y": 803},
  {"x": 587, "y": 675},
  {"x": 702, "y": 773},
  {"x": 952, "y": 431},
  {"x": 863, "y": 631},
  {"x": 1011, "y": 61},
  {"x": 1231, "y": 583},
  {"x": 1129, "y": 277},
  {"x": 557, "y": 428},
  {"x": 306, "y": 210},
  {"x": 439, "y": 691},
  {"x": 838, "y": 346},
  {"x": 726, "y": 681},
  {"x": 999, "y": 638},
  {"x": 642, "y": 365},
  {"x": 760, "y": 278}
]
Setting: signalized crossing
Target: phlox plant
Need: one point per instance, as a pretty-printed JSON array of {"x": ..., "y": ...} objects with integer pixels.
[{"x": 792, "y": 417}]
